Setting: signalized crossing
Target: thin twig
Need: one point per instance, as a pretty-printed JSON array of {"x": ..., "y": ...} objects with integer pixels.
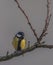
[
  {"x": 35, "y": 34},
  {"x": 47, "y": 20}
]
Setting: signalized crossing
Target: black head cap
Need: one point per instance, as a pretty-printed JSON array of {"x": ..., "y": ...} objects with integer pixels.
[{"x": 20, "y": 34}]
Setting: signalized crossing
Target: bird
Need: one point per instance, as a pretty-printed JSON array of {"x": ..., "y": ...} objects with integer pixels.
[{"x": 19, "y": 42}]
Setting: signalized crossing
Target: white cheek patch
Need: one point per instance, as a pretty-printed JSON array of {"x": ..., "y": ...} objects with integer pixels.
[{"x": 18, "y": 35}]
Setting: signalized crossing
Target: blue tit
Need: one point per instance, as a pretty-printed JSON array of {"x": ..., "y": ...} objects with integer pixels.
[{"x": 19, "y": 43}]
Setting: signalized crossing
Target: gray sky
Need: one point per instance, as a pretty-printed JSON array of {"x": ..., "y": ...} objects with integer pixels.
[{"x": 12, "y": 20}]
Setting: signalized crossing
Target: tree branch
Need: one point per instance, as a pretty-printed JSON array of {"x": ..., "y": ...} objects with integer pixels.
[
  {"x": 35, "y": 46},
  {"x": 12, "y": 55}
]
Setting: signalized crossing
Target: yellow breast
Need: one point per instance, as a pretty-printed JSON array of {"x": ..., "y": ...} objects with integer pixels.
[{"x": 23, "y": 44}]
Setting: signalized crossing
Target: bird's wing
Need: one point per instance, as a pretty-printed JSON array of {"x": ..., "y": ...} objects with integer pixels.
[{"x": 15, "y": 42}]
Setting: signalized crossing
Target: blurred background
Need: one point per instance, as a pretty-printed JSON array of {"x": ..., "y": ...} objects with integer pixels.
[{"x": 12, "y": 21}]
